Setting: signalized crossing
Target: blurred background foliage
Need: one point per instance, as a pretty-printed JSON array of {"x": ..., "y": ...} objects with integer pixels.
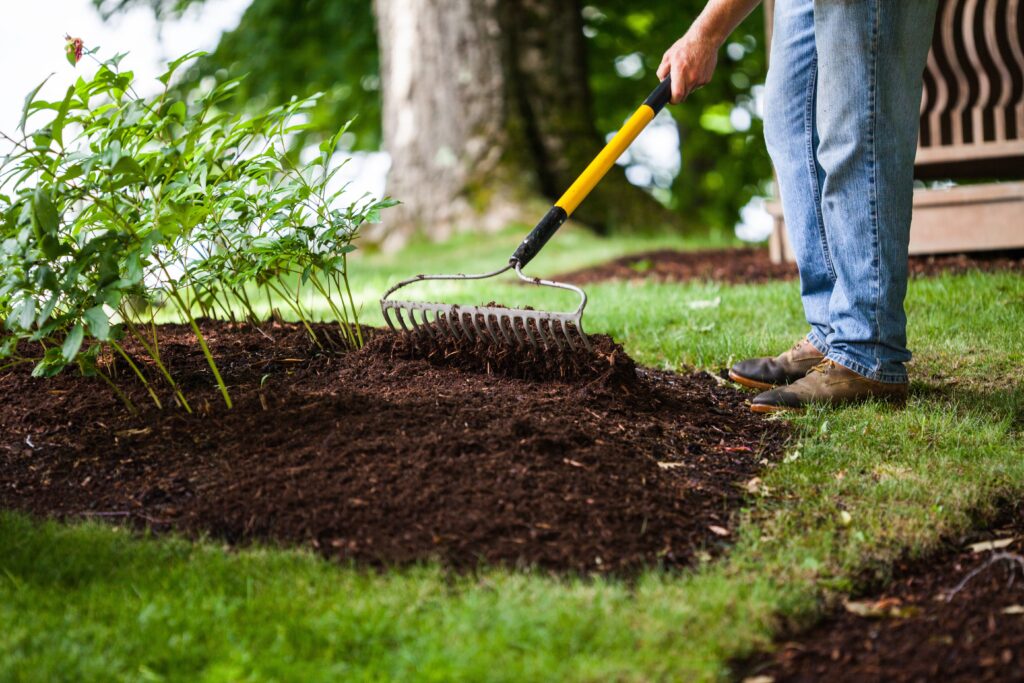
[{"x": 298, "y": 47}]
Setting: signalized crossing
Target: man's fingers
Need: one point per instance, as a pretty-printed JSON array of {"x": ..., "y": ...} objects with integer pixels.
[
  {"x": 679, "y": 85},
  {"x": 663, "y": 67}
]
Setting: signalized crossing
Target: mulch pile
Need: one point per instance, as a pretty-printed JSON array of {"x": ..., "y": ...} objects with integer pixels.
[
  {"x": 922, "y": 628},
  {"x": 385, "y": 459},
  {"x": 753, "y": 266},
  {"x": 606, "y": 364}
]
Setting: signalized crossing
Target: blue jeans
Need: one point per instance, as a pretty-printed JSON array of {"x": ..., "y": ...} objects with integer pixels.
[{"x": 841, "y": 125}]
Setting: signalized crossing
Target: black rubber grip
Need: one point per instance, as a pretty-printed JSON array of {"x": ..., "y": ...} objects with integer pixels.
[
  {"x": 539, "y": 236},
  {"x": 661, "y": 96}
]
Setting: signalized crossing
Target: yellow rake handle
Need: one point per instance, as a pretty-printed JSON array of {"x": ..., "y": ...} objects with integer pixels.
[{"x": 592, "y": 174}]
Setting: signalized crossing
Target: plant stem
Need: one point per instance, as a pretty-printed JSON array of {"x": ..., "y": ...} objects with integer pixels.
[
  {"x": 117, "y": 347},
  {"x": 339, "y": 314},
  {"x": 206, "y": 349},
  {"x": 186, "y": 311},
  {"x": 159, "y": 364},
  {"x": 297, "y": 311},
  {"x": 351, "y": 299},
  {"x": 117, "y": 390}
]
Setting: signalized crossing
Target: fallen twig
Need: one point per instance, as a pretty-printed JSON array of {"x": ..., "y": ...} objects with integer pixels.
[{"x": 1013, "y": 558}]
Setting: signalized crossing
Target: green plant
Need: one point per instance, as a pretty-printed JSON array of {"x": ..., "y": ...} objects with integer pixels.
[{"x": 124, "y": 208}]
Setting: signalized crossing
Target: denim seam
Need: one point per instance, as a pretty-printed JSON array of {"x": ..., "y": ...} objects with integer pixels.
[
  {"x": 873, "y": 173},
  {"x": 812, "y": 163},
  {"x": 864, "y": 371}
]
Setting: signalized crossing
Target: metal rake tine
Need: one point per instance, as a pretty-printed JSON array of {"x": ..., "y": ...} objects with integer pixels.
[
  {"x": 430, "y": 325},
  {"x": 478, "y": 326},
  {"x": 453, "y": 331},
  {"x": 489, "y": 323},
  {"x": 387, "y": 318},
  {"x": 539, "y": 323},
  {"x": 469, "y": 324},
  {"x": 401, "y": 320},
  {"x": 420, "y": 325},
  {"x": 462, "y": 324},
  {"x": 416, "y": 328},
  {"x": 582, "y": 335},
  {"x": 529, "y": 333},
  {"x": 510, "y": 320},
  {"x": 565, "y": 333},
  {"x": 501, "y": 328},
  {"x": 437, "y": 326},
  {"x": 540, "y": 333},
  {"x": 551, "y": 333},
  {"x": 441, "y": 323}
]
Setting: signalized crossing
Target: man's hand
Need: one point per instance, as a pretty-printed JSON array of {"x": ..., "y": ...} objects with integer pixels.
[{"x": 691, "y": 60}]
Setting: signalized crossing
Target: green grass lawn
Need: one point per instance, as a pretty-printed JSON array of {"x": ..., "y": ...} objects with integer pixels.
[{"x": 857, "y": 488}]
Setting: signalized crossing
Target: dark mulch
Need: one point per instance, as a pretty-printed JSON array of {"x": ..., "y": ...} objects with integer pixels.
[
  {"x": 912, "y": 633},
  {"x": 384, "y": 460},
  {"x": 753, "y": 266},
  {"x": 607, "y": 364}
]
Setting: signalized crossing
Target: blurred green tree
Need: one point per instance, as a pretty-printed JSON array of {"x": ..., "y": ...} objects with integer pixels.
[
  {"x": 295, "y": 48},
  {"x": 724, "y": 164}
]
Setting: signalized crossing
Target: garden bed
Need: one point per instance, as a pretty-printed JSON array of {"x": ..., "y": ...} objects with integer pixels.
[
  {"x": 927, "y": 625},
  {"x": 384, "y": 459},
  {"x": 753, "y": 266}
]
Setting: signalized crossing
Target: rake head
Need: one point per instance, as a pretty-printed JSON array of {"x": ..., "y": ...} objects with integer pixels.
[{"x": 516, "y": 327}]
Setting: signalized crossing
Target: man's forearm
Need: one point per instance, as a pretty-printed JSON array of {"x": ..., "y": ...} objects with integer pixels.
[
  {"x": 720, "y": 18},
  {"x": 691, "y": 59}
]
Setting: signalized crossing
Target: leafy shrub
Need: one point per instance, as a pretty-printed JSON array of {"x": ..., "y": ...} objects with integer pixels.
[{"x": 124, "y": 208}]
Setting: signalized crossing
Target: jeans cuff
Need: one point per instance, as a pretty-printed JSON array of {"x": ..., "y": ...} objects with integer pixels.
[
  {"x": 899, "y": 377},
  {"x": 817, "y": 341}
]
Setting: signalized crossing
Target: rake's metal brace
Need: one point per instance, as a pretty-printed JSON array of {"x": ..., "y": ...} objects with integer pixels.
[{"x": 520, "y": 326}]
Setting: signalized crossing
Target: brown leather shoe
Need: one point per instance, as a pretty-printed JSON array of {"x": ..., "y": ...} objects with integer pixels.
[
  {"x": 786, "y": 368},
  {"x": 828, "y": 383}
]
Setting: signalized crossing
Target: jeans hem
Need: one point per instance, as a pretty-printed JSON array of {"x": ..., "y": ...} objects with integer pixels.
[
  {"x": 817, "y": 341},
  {"x": 864, "y": 371}
]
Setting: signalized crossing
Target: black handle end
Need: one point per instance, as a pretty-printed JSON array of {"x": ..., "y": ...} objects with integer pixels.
[
  {"x": 661, "y": 96},
  {"x": 539, "y": 236}
]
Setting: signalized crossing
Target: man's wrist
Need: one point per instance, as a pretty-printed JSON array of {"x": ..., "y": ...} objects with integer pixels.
[{"x": 710, "y": 31}]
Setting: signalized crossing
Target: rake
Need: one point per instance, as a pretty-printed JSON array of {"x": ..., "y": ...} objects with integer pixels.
[{"x": 522, "y": 327}]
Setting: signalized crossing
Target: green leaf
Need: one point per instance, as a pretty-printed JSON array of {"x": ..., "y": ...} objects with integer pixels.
[
  {"x": 165, "y": 77},
  {"x": 130, "y": 167},
  {"x": 51, "y": 247},
  {"x": 26, "y": 313},
  {"x": 178, "y": 111},
  {"x": 99, "y": 323},
  {"x": 72, "y": 173},
  {"x": 51, "y": 364},
  {"x": 44, "y": 213},
  {"x": 28, "y": 102},
  {"x": 57, "y": 129},
  {"x": 73, "y": 342},
  {"x": 44, "y": 314}
]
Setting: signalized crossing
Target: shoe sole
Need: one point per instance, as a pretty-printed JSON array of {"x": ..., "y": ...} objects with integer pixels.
[
  {"x": 765, "y": 409},
  {"x": 750, "y": 383}
]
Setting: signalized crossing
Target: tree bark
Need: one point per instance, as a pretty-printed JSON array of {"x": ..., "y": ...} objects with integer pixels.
[{"x": 488, "y": 117}]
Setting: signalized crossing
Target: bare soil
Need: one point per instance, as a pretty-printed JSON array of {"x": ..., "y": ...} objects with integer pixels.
[
  {"x": 394, "y": 455},
  {"x": 927, "y": 625},
  {"x": 753, "y": 266}
]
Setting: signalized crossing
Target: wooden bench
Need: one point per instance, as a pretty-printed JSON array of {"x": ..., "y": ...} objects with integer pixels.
[{"x": 972, "y": 133}]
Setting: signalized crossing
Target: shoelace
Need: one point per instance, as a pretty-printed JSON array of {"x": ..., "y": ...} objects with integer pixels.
[{"x": 824, "y": 366}]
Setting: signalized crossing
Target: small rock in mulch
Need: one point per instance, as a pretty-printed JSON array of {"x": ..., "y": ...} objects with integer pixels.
[
  {"x": 753, "y": 266},
  {"x": 958, "y": 616},
  {"x": 384, "y": 458}
]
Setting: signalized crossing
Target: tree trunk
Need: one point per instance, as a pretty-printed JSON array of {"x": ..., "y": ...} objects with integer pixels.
[{"x": 488, "y": 118}]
